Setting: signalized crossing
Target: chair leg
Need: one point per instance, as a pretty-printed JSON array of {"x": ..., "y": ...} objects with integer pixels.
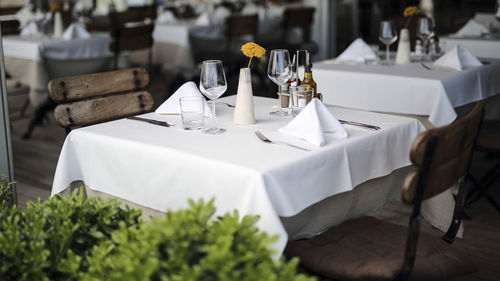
[
  {"x": 38, "y": 116},
  {"x": 25, "y": 107}
]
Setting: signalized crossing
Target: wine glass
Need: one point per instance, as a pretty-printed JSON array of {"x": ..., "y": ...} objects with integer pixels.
[
  {"x": 279, "y": 71},
  {"x": 387, "y": 35},
  {"x": 424, "y": 32},
  {"x": 213, "y": 84}
]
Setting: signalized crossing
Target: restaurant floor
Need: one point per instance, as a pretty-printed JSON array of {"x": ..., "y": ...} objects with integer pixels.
[{"x": 35, "y": 161}]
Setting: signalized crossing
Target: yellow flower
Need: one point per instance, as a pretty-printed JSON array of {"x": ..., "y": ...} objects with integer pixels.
[
  {"x": 54, "y": 6},
  {"x": 252, "y": 50},
  {"x": 410, "y": 11}
]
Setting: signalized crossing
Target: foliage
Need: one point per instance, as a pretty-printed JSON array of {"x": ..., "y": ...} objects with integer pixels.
[
  {"x": 188, "y": 245},
  {"x": 252, "y": 50},
  {"x": 6, "y": 196},
  {"x": 50, "y": 240}
]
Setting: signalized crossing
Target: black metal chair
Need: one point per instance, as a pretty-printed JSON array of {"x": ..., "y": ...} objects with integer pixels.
[{"x": 369, "y": 249}]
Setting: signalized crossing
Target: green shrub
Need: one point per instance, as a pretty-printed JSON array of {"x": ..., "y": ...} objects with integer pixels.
[
  {"x": 189, "y": 245},
  {"x": 51, "y": 240},
  {"x": 6, "y": 192}
]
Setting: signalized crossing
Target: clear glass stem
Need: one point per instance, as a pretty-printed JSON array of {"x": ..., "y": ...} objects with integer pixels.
[
  {"x": 387, "y": 54},
  {"x": 279, "y": 98},
  {"x": 424, "y": 49},
  {"x": 214, "y": 116}
]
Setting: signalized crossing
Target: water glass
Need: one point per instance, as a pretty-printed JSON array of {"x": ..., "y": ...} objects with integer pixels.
[
  {"x": 192, "y": 112},
  {"x": 300, "y": 97},
  {"x": 424, "y": 32},
  {"x": 387, "y": 35}
]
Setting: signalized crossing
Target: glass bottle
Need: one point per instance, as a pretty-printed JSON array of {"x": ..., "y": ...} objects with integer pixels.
[
  {"x": 294, "y": 80},
  {"x": 308, "y": 80}
]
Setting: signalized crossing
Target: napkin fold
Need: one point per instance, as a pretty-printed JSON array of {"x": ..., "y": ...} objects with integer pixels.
[
  {"x": 472, "y": 28},
  {"x": 24, "y": 15},
  {"x": 220, "y": 14},
  {"x": 166, "y": 17},
  {"x": 458, "y": 58},
  {"x": 75, "y": 31},
  {"x": 203, "y": 19},
  {"x": 358, "y": 51},
  {"x": 313, "y": 122},
  {"x": 172, "y": 105},
  {"x": 31, "y": 29}
]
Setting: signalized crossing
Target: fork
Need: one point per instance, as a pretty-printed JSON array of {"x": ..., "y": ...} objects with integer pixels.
[{"x": 264, "y": 139}]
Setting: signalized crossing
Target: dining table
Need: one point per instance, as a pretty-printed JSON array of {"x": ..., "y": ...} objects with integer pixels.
[
  {"x": 433, "y": 94},
  {"x": 484, "y": 47},
  {"x": 24, "y": 57},
  {"x": 296, "y": 193}
]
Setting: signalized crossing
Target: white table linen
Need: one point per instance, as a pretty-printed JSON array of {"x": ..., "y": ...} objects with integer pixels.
[
  {"x": 161, "y": 168},
  {"x": 406, "y": 89},
  {"x": 481, "y": 47}
]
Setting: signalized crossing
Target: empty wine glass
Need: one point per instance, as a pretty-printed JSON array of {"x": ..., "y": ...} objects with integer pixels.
[
  {"x": 387, "y": 35},
  {"x": 424, "y": 32},
  {"x": 279, "y": 71},
  {"x": 213, "y": 84}
]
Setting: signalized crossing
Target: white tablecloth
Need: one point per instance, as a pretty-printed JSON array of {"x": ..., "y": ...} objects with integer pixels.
[
  {"x": 406, "y": 89},
  {"x": 23, "y": 58},
  {"x": 480, "y": 47},
  {"x": 161, "y": 168}
]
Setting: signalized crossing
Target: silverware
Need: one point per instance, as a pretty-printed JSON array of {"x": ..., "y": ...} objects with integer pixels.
[
  {"x": 371, "y": 127},
  {"x": 228, "y": 104},
  {"x": 425, "y": 66},
  {"x": 264, "y": 139},
  {"x": 155, "y": 122}
]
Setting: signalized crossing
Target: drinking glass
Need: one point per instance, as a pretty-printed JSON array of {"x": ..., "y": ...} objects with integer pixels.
[
  {"x": 279, "y": 71},
  {"x": 213, "y": 84},
  {"x": 424, "y": 31},
  {"x": 387, "y": 35}
]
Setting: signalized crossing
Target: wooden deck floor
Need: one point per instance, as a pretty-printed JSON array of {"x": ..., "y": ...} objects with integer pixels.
[{"x": 35, "y": 161}]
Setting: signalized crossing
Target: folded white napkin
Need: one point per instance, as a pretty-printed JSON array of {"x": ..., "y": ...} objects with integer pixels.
[
  {"x": 358, "y": 51},
  {"x": 166, "y": 17},
  {"x": 203, "y": 19},
  {"x": 31, "y": 29},
  {"x": 220, "y": 14},
  {"x": 472, "y": 28},
  {"x": 458, "y": 58},
  {"x": 75, "y": 31},
  {"x": 24, "y": 15},
  {"x": 172, "y": 105},
  {"x": 313, "y": 122}
]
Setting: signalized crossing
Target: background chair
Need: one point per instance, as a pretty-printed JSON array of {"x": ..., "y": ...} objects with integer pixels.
[
  {"x": 299, "y": 19},
  {"x": 130, "y": 31},
  {"x": 488, "y": 141},
  {"x": 369, "y": 249},
  {"x": 94, "y": 98}
]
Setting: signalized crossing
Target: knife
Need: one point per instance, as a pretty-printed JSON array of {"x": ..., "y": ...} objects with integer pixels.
[
  {"x": 372, "y": 127},
  {"x": 155, "y": 122}
]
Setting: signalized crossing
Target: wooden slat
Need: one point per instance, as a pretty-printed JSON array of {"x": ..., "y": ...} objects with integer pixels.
[
  {"x": 85, "y": 86},
  {"x": 452, "y": 153},
  {"x": 87, "y": 112}
]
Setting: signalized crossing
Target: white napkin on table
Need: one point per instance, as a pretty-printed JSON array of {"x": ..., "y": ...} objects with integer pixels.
[
  {"x": 24, "y": 15},
  {"x": 472, "y": 28},
  {"x": 172, "y": 105},
  {"x": 358, "y": 51},
  {"x": 75, "y": 31},
  {"x": 220, "y": 14},
  {"x": 203, "y": 19},
  {"x": 313, "y": 122},
  {"x": 458, "y": 58},
  {"x": 30, "y": 29},
  {"x": 166, "y": 17}
]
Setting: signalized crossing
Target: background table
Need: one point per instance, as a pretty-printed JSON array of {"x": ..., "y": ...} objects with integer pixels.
[
  {"x": 24, "y": 60},
  {"x": 481, "y": 47},
  {"x": 406, "y": 89},
  {"x": 160, "y": 168}
]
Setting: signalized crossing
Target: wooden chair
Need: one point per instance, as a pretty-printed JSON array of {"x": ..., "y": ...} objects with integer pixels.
[
  {"x": 488, "y": 141},
  {"x": 369, "y": 249},
  {"x": 16, "y": 90},
  {"x": 130, "y": 32},
  {"x": 301, "y": 18},
  {"x": 99, "y": 97}
]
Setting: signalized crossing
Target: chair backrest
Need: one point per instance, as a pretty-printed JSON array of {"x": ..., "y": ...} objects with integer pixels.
[
  {"x": 94, "y": 98},
  {"x": 10, "y": 27},
  {"x": 300, "y": 17},
  {"x": 442, "y": 158},
  {"x": 240, "y": 25}
]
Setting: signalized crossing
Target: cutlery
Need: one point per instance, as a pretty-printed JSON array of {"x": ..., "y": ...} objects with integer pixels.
[
  {"x": 155, "y": 122},
  {"x": 371, "y": 127},
  {"x": 425, "y": 66},
  {"x": 264, "y": 139},
  {"x": 228, "y": 104}
]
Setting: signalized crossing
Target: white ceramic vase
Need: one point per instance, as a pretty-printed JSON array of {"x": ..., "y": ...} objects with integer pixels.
[
  {"x": 58, "y": 25},
  {"x": 244, "y": 110},
  {"x": 403, "y": 53}
]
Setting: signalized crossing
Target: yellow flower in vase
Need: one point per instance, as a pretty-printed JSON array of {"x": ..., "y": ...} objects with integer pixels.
[
  {"x": 54, "y": 6},
  {"x": 409, "y": 12},
  {"x": 252, "y": 50}
]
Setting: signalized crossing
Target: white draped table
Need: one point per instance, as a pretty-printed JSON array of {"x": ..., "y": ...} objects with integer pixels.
[
  {"x": 160, "y": 168},
  {"x": 24, "y": 61},
  {"x": 481, "y": 47},
  {"x": 406, "y": 89}
]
